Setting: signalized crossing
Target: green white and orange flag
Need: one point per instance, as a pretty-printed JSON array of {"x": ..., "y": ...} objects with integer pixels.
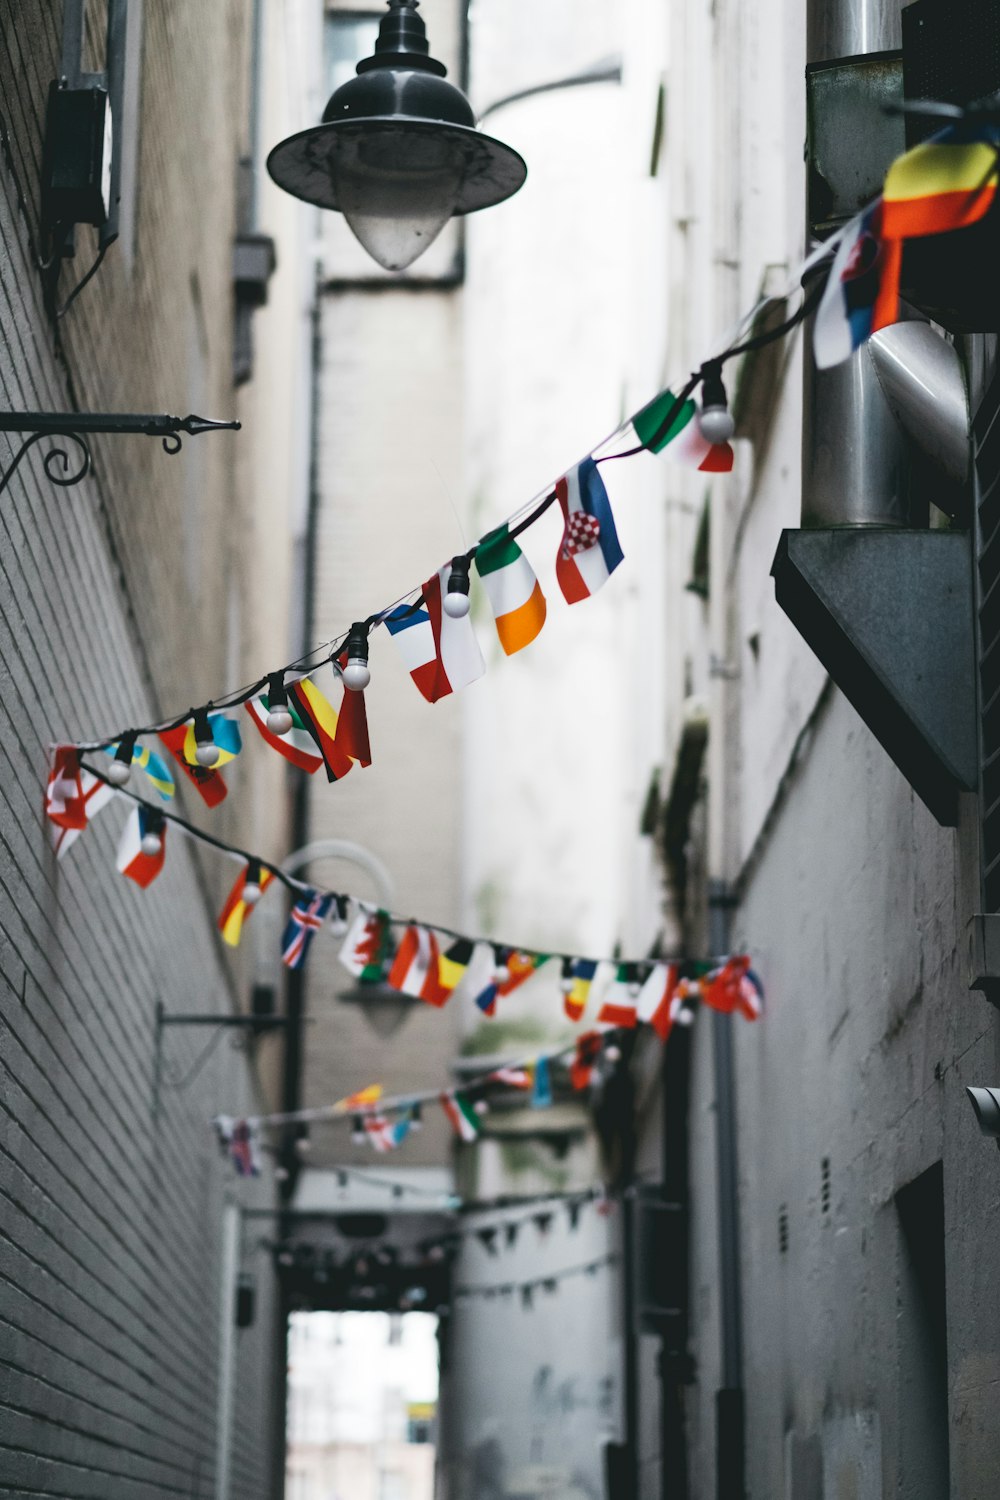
[
  {"x": 515, "y": 597},
  {"x": 237, "y": 910},
  {"x": 463, "y": 1118}
]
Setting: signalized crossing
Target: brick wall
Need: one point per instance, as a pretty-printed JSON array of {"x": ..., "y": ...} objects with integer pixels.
[{"x": 121, "y": 599}]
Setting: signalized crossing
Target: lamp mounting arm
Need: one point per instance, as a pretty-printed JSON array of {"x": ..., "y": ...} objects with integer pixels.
[{"x": 77, "y": 427}]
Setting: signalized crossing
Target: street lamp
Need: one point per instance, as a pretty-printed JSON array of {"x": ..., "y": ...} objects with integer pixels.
[{"x": 398, "y": 152}]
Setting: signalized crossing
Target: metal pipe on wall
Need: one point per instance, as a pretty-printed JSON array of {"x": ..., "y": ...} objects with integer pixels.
[{"x": 855, "y": 468}]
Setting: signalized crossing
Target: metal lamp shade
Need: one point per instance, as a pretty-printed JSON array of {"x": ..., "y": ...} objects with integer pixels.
[
  {"x": 397, "y": 153},
  {"x": 397, "y": 180}
]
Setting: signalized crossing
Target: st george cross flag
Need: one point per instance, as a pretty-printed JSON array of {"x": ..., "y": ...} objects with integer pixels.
[
  {"x": 304, "y": 921},
  {"x": 130, "y": 859},
  {"x": 440, "y": 653},
  {"x": 463, "y": 1118},
  {"x": 620, "y": 1000},
  {"x": 658, "y": 1002},
  {"x": 367, "y": 946},
  {"x": 154, "y": 766},
  {"x": 415, "y": 970},
  {"x": 515, "y": 597},
  {"x": 683, "y": 436},
  {"x": 589, "y": 551},
  {"x": 73, "y": 796},
  {"x": 236, "y": 910},
  {"x": 734, "y": 986}
]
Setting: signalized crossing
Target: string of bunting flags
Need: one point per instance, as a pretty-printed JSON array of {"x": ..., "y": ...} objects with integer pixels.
[
  {"x": 547, "y": 1284},
  {"x": 946, "y": 183}
]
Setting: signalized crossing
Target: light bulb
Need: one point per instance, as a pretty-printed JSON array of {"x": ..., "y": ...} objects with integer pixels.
[
  {"x": 501, "y": 974},
  {"x": 356, "y": 674},
  {"x": 206, "y": 750},
  {"x": 481, "y": 1107},
  {"x": 613, "y": 1054},
  {"x": 566, "y": 985},
  {"x": 251, "y": 894},
  {"x": 716, "y": 424},
  {"x": 120, "y": 768},
  {"x": 456, "y": 599},
  {"x": 151, "y": 844},
  {"x": 279, "y": 720},
  {"x": 358, "y": 1131}
]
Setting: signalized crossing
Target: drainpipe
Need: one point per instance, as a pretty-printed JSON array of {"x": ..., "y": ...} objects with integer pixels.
[
  {"x": 854, "y": 464},
  {"x": 730, "y": 1445}
]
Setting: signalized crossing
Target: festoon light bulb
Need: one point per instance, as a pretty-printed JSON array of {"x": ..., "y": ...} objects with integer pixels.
[
  {"x": 715, "y": 421},
  {"x": 151, "y": 842},
  {"x": 566, "y": 981},
  {"x": 501, "y": 972},
  {"x": 120, "y": 768},
  {"x": 356, "y": 673},
  {"x": 251, "y": 885},
  {"x": 456, "y": 599},
  {"x": 279, "y": 720},
  {"x": 358, "y": 1130},
  {"x": 206, "y": 751}
]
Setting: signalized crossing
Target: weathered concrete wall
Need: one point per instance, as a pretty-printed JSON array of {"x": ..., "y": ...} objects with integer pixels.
[{"x": 120, "y": 600}]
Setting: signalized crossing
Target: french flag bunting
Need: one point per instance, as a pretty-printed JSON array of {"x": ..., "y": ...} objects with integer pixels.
[
  {"x": 131, "y": 860},
  {"x": 304, "y": 921},
  {"x": 440, "y": 653},
  {"x": 589, "y": 551}
]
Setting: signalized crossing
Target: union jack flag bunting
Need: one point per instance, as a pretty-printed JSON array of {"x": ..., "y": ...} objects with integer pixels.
[{"x": 305, "y": 920}]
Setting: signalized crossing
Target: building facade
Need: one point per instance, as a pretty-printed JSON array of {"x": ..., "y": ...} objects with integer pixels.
[{"x": 123, "y": 599}]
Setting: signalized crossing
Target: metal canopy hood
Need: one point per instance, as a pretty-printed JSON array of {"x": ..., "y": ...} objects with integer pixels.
[{"x": 890, "y": 616}]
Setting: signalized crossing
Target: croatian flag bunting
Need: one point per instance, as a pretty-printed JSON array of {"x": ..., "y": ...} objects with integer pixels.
[{"x": 589, "y": 551}]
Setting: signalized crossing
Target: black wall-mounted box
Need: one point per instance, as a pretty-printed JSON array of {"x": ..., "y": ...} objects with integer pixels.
[{"x": 76, "y": 167}]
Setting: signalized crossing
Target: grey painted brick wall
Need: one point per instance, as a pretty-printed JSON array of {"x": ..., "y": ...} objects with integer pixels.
[{"x": 112, "y": 608}]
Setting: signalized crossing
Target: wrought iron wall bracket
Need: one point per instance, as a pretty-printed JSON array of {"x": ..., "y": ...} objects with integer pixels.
[{"x": 77, "y": 427}]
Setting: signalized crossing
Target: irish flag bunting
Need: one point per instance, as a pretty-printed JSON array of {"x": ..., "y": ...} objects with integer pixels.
[
  {"x": 463, "y": 1118},
  {"x": 589, "y": 551},
  {"x": 515, "y": 597}
]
